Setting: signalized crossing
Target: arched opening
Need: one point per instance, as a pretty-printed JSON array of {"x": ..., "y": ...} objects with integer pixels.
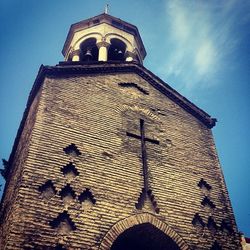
[
  {"x": 89, "y": 50},
  {"x": 145, "y": 221},
  {"x": 144, "y": 237},
  {"x": 116, "y": 50}
]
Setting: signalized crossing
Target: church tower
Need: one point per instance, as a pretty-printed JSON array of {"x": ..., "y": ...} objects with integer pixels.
[{"x": 108, "y": 156}]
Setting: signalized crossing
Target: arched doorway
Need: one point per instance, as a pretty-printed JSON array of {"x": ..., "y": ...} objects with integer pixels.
[
  {"x": 143, "y": 227},
  {"x": 144, "y": 237}
]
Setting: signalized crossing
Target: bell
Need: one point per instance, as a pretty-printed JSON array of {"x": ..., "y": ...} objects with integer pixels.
[
  {"x": 119, "y": 54},
  {"x": 88, "y": 55}
]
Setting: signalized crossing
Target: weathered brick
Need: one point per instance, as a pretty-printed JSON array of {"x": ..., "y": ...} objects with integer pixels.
[{"x": 94, "y": 112}]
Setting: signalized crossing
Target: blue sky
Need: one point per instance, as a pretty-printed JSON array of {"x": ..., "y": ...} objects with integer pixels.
[{"x": 201, "y": 48}]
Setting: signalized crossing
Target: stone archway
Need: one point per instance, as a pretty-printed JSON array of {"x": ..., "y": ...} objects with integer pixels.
[
  {"x": 144, "y": 237},
  {"x": 142, "y": 225}
]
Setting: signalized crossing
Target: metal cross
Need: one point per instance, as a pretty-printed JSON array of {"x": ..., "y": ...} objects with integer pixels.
[
  {"x": 144, "y": 139},
  {"x": 106, "y": 10}
]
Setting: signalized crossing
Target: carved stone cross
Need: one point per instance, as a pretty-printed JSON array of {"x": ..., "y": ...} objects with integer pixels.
[{"x": 144, "y": 139}]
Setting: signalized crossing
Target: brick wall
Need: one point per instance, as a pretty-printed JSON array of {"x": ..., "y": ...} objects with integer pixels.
[
  {"x": 11, "y": 205},
  {"x": 95, "y": 112}
]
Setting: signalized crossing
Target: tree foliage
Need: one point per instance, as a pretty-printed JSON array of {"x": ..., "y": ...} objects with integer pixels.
[{"x": 3, "y": 171}]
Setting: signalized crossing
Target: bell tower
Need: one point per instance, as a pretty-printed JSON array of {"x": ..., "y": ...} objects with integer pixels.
[
  {"x": 108, "y": 156},
  {"x": 103, "y": 38}
]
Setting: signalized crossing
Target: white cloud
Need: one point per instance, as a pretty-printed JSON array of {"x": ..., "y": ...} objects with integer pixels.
[
  {"x": 205, "y": 57},
  {"x": 201, "y": 36}
]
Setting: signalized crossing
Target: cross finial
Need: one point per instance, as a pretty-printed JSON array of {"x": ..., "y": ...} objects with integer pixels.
[{"x": 106, "y": 10}]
